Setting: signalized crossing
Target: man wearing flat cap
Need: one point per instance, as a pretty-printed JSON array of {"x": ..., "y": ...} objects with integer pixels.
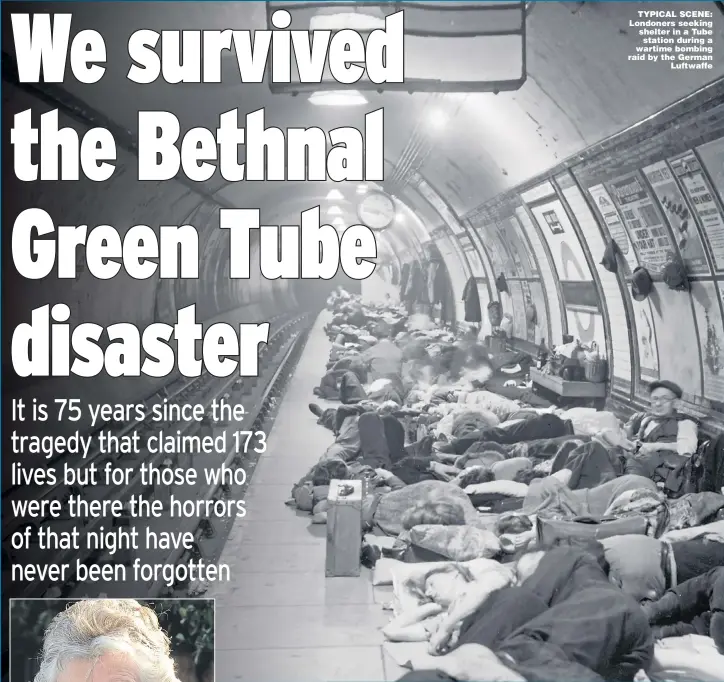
[{"x": 660, "y": 440}]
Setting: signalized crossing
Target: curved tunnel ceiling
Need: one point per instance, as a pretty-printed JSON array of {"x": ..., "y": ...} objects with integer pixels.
[{"x": 580, "y": 89}]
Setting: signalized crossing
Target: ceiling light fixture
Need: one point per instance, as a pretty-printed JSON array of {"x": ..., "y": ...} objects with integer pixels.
[
  {"x": 437, "y": 119},
  {"x": 335, "y": 195},
  {"x": 357, "y": 21},
  {"x": 338, "y": 222},
  {"x": 362, "y": 189},
  {"x": 338, "y": 98},
  {"x": 334, "y": 210}
]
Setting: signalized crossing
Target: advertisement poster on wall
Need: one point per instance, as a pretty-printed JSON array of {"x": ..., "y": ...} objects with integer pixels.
[
  {"x": 678, "y": 340},
  {"x": 465, "y": 241},
  {"x": 497, "y": 259},
  {"x": 530, "y": 324},
  {"x": 476, "y": 265},
  {"x": 517, "y": 239},
  {"x": 565, "y": 248},
  {"x": 515, "y": 305},
  {"x": 617, "y": 230},
  {"x": 646, "y": 340},
  {"x": 511, "y": 266},
  {"x": 508, "y": 230},
  {"x": 456, "y": 270},
  {"x": 711, "y": 337},
  {"x": 683, "y": 224},
  {"x": 433, "y": 198},
  {"x": 541, "y": 330},
  {"x": 712, "y": 156},
  {"x": 688, "y": 170},
  {"x": 484, "y": 296},
  {"x": 478, "y": 246},
  {"x": 460, "y": 256},
  {"x": 649, "y": 235}
]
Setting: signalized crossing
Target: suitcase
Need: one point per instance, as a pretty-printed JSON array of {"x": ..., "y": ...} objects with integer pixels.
[{"x": 344, "y": 528}]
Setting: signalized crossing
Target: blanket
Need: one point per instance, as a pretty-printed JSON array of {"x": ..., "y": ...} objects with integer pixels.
[
  {"x": 459, "y": 543},
  {"x": 588, "y": 421},
  {"x": 642, "y": 502},
  {"x": 694, "y": 509},
  {"x": 543, "y": 449},
  {"x": 713, "y": 531},
  {"x": 393, "y": 505},
  {"x": 460, "y": 419},
  {"x": 491, "y": 402},
  {"x": 589, "y": 464},
  {"x": 550, "y": 498},
  {"x": 553, "y": 499}
]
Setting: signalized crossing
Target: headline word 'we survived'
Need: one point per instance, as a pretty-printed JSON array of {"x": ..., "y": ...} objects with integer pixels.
[{"x": 197, "y": 56}]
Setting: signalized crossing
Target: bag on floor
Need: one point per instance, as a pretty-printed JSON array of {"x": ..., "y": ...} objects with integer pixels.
[{"x": 585, "y": 527}]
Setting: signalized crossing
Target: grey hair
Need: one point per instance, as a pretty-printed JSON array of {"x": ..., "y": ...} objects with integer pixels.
[{"x": 91, "y": 628}]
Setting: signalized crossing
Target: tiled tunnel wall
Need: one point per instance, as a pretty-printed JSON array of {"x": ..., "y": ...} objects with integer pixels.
[{"x": 656, "y": 187}]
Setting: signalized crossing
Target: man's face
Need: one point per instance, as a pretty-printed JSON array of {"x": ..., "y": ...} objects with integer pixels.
[
  {"x": 663, "y": 402},
  {"x": 108, "y": 668}
]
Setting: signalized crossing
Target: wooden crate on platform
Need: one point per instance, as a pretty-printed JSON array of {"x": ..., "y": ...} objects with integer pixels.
[{"x": 571, "y": 391}]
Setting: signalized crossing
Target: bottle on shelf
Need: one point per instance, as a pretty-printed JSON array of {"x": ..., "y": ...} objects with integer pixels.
[{"x": 542, "y": 358}]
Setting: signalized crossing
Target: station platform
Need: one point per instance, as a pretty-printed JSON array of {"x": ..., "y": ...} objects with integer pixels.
[{"x": 280, "y": 619}]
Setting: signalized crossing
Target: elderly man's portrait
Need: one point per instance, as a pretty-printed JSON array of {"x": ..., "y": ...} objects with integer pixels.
[{"x": 112, "y": 640}]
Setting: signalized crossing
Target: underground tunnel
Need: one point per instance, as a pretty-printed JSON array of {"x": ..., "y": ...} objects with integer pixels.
[{"x": 546, "y": 203}]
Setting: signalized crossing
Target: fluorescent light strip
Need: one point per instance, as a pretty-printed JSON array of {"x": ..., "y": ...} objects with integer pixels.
[{"x": 338, "y": 98}]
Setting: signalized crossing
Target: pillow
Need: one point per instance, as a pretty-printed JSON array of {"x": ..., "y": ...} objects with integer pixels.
[
  {"x": 588, "y": 421},
  {"x": 479, "y": 459},
  {"x": 635, "y": 562},
  {"x": 507, "y": 488},
  {"x": 507, "y": 470},
  {"x": 692, "y": 657},
  {"x": 383, "y": 571}
]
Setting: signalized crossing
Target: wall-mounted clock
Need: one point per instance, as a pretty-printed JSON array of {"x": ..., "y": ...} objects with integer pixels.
[{"x": 376, "y": 210}]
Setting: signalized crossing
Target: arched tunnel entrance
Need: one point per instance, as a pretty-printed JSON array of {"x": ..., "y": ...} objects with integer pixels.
[{"x": 528, "y": 235}]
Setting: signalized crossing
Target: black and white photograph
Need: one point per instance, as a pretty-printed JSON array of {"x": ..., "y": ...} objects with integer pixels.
[{"x": 362, "y": 341}]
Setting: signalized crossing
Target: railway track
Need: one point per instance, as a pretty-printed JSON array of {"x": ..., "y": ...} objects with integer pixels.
[{"x": 258, "y": 398}]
